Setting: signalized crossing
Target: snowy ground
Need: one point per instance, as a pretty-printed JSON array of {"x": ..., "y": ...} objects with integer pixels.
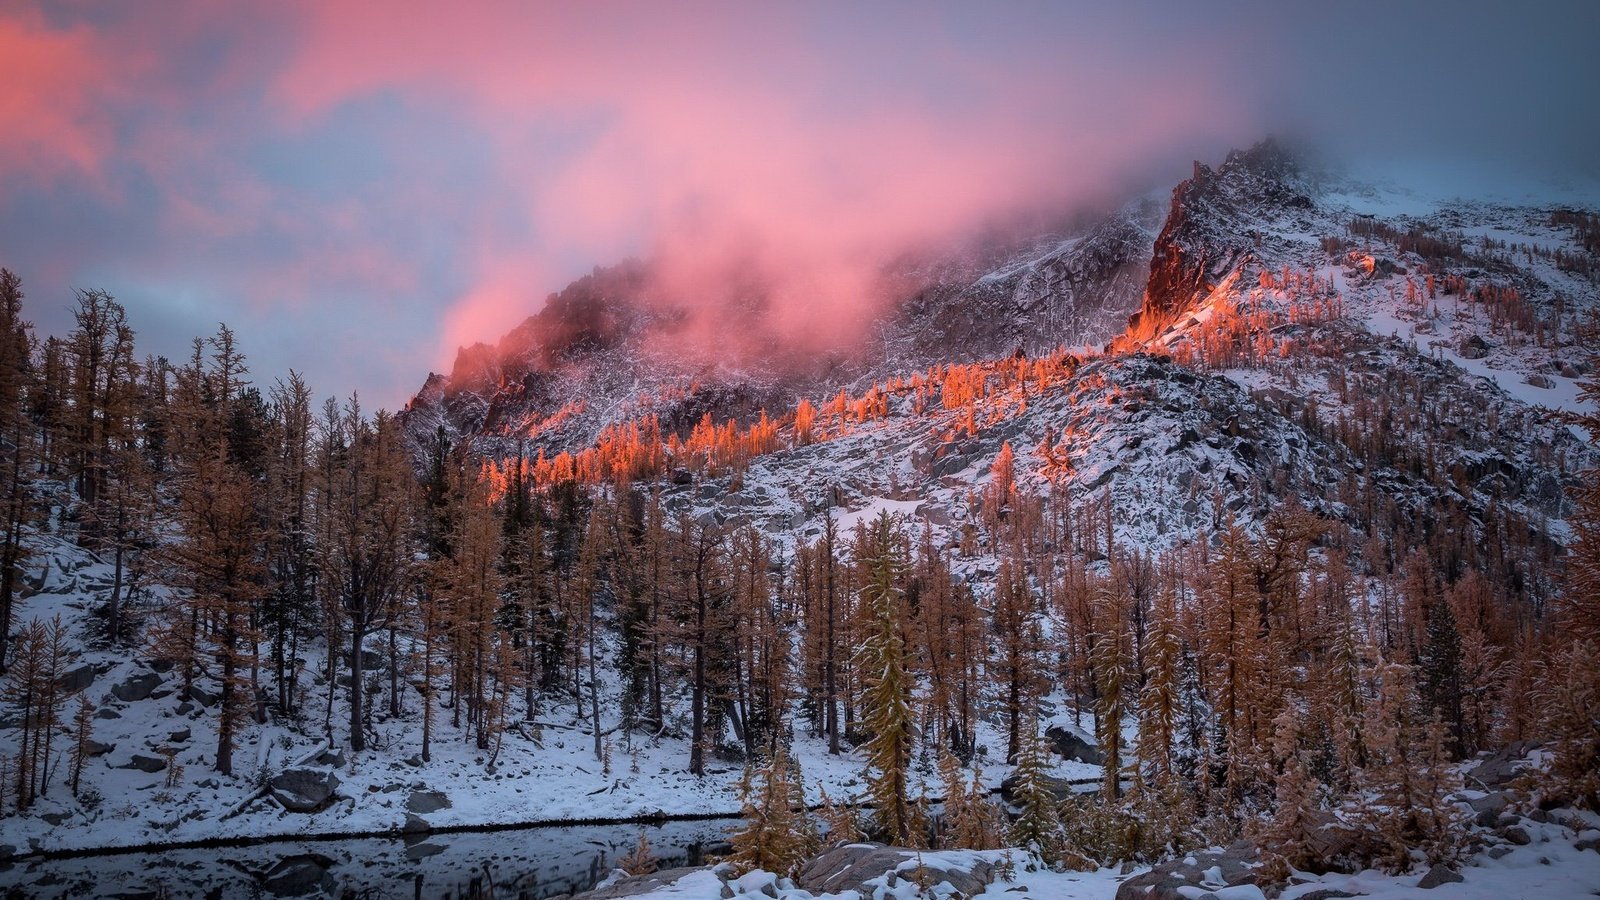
[
  {"x": 1548, "y": 867},
  {"x": 544, "y": 772}
]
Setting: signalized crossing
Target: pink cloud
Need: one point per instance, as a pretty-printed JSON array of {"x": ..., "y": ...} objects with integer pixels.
[
  {"x": 732, "y": 142},
  {"x": 50, "y": 99}
]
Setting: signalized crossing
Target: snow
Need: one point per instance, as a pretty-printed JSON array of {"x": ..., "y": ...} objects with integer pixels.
[{"x": 876, "y": 506}]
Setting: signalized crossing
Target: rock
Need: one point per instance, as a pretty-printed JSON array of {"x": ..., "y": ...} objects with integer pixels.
[
  {"x": 136, "y": 688},
  {"x": 1592, "y": 843},
  {"x": 423, "y": 850},
  {"x": 1516, "y": 834},
  {"x": 76, "y": 680},
  {"x": 332, "y": 758},
  {"x": 1072, "y": 744},
  {"x": 1500, "y": 767},
  {"x": 106, "y": 712},
  {"x": 424, "y": 802},
  {"x": 415, "y": 824},
  {"x": 144, "y": 763},
  {"x": 1061, "y": 789},
  {"x": 634, "y": 885},
  {"x": 851, "y": 866},
  {"x": 1326, "y": 894},
  {"x": 1180, "y": 879},
  {"x": 1439, "y": 875},
  {"x": 179, "y": 736},
  {"x": 55, "y": 818},
  {"x": 414, "y": 760},
  {"x": 296, "y": 876},
  {"x": 303, "y": 790},
  {"x": 95, "y": 748},
  {"x": 202, "y": 696},
  {"x": 1540, "y": 381},
  {"x": 1330, "y": 841},
  {"x": 1489, "y": 807},
  {"x": 1473, "y": 347}
]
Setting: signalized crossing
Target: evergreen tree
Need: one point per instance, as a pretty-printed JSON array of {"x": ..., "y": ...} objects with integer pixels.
[
  {"x": 886, "y": 701},
  {"x": 777, "y": 834}
]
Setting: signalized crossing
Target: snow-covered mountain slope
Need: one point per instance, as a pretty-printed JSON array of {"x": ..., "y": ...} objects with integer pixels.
[
  {"x": 1286, "y": 349},
  {"x": 606, "y": 349}
]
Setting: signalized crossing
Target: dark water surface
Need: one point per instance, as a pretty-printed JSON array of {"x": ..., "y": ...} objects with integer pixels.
[{"x": 531, "y": 863}]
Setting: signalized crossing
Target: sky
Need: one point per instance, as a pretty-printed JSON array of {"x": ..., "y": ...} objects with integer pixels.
[{"x": 360, "y": 189}]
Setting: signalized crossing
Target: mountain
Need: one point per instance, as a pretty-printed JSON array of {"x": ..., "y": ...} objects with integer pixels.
[
  {"x": 607, "y": 348},
  {"x": 1281, "y": 334}
]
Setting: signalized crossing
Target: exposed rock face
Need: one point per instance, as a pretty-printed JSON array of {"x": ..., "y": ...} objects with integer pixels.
[
  {"x": 303, "y": 790},
  {"x": 1191, "y": 876},
  {"x": 1209, "y": 228},
  {"x": 1071, "y": 745},
  {"x": 612, "y": 347},
  {"x": 136, "y": 688},
  {"x": 850, "y": 866},
  {"x": 424, "y": 802}
]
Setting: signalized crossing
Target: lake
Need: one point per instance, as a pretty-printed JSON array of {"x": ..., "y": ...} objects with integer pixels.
[{"x": 531, "y": 863}]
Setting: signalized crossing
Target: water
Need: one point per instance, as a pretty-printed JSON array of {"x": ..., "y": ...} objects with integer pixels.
[{"x": 526, "y": 864}]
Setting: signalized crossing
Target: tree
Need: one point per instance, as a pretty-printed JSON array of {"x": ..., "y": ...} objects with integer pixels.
[
  {"x": 1442, "y": 685},
  {"x": 1037, "y": 826},
  {"x": 1569, "y": 698},
  {"x": 971, "y": 821},
  {"x": 217, "y": 560},
  {"x": 887, "y": 700},
  {"x": 366, "y": 559},
  {"x": 16, "y": 447},
  {"x": 777, "y": 834}
]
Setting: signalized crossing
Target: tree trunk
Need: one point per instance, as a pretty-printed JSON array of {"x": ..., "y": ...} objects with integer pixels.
[{"x": 358, "y": 739}]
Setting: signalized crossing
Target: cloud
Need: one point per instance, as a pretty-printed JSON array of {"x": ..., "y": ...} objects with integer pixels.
[
  {"x": 422, "y": 177},
  {"x": 802, "y": 149}
]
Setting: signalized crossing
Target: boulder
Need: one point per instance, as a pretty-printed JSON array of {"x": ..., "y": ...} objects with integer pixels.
[
  {"x": 850, "y": 866},
  {"x": 139, "y": 761},
  {"x": 1192, "y": 876},
  {"x": 424, "y": 802},
  {"x": 1489, "y": 807},
  {"x": 1516, "y": 834},
  {"x": 76, "y": 680},
  {"x": 1073, "y": 744},
  {"x": 202, "y": 696},
  {"x": 95, "y": 748},
  {"x": 415, "y": 824},
  {"x": 303, "y": 790},
  {"x": 296, "y": 876},
  {"x": 1061, "y": 789},
  {"x": 1439, "y": 875},
  {"x": 179, "y": 736},
  {"x": 1473, "y": 347},
  {"x": 1500, "y": 767},
  {"x": 136, "y": 688}
]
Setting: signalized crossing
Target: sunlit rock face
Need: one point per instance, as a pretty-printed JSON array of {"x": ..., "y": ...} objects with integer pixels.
[
  {"x": 1214, "y": 222},
  {"x": 615, "y": 346}
]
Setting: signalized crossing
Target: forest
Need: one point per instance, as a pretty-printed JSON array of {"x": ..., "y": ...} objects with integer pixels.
[{"x": 1307, "y": 683}]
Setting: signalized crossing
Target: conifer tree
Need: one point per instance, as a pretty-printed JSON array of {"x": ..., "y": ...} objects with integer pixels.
[
  {"x": 1569, "y": 698},
  {"x": 16, "y": 447},
  {"x": 971, "y": 821},
  {"x": 886, "y": 701},
  {"x": 777, "y": 834},
  {"x": 1037, "y": 826}
]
